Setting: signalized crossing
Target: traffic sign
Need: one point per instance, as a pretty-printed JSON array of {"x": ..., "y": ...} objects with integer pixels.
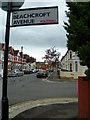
[
  {"x": 35, "y": 16},
  {"x": 16, "y": 4}
]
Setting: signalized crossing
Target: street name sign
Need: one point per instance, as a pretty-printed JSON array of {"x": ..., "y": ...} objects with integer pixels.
[{"x": 35, "y": 16}]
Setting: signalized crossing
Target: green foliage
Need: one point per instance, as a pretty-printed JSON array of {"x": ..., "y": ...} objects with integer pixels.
[
  {"x": 78, "y": 30},
  {"x": 87, "y": 72},
  {"x": 84, "y": 54}
]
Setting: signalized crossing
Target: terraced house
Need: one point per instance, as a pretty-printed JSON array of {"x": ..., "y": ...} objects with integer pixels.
[{"x": 16, "y": 60}]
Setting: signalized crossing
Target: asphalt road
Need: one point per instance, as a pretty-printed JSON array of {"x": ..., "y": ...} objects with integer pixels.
[{"x": 28, "y": 87}]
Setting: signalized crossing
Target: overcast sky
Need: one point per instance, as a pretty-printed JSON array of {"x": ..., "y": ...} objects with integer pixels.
[{"x": 36, "y": 39}]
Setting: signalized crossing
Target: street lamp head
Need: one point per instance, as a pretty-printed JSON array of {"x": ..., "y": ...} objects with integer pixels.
[{"x": 16, "y": 4}]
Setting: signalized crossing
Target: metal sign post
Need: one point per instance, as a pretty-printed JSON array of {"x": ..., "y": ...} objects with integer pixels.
[
  {"x": 4, "y": 89},
  {"x": 7, "y": 6}
]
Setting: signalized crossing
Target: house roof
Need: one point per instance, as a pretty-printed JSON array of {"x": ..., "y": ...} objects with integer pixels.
[
  {"x": 2, "y": 46},
  {"x": 26, "y": 56},
  {"x": 16, "y": 52},
  {"x": 29, "y": 59},
  {"x": 11, "y": 50},
  {"x": 64, "y": 55}
]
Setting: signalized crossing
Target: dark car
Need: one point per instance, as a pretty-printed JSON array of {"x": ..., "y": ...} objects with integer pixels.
[
  {"x": 42, "y": 74},
  {"x": 50, "y": 70},
  {"x": 28, "y": 72},
  {"x": 0, "y": 76},
  {"x": 15, "y": 73}
]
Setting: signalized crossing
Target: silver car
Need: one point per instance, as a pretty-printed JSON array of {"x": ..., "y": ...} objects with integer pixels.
[{"x": 15, "y": 73}]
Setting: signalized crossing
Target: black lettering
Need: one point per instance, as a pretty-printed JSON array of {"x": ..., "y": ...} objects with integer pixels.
[
  {"x": 28, "y": 21},
  {"x": 21, "y": 16},
  {"x": 21, "y": 21},
  {"x": 40, "y": 14},
  {"x": 32, "y": 15},
  {"x": 44, "y": 14},
  {"x": 16, "y": 22},
  {"x": 32, "y": 21},
  {"x": 48, "y": 13},
  {"x": 15, "y": 16},
  {"x": 36, "y": 14},
  {"x": 26, "y": 16},
  {"x": 25, "y": 21}
]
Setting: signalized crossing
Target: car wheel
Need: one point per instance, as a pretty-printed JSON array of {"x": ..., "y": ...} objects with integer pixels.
[{"x": 16, "y": 75}]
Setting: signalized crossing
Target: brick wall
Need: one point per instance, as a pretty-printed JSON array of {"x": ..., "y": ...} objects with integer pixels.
[{"x": 83, "y": 97}]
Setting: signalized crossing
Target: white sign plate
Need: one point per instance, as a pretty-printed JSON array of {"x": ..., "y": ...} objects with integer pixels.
[{"x": 35, "y": 16}]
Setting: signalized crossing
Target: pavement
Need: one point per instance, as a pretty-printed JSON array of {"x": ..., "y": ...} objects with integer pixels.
[
  {"x": 46, "y": 108},
  {"x": 49, "y": 108}
]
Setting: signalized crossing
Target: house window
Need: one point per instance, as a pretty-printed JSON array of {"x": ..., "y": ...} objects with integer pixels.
[
  {"x": 76, "y": 53},
  {"x": 15, "y": 58},
  {"x": 10, "y": 57},
  {"x": 70, "y": 67},
  {"x": 9, "y": 66},
  {"x": 70, "y": 54},
  {"x": 76, "y": 66},
  {"x": 2, "y": 65}
]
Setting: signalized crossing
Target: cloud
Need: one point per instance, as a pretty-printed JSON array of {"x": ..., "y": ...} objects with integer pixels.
[{"x": 39, "y": 36}]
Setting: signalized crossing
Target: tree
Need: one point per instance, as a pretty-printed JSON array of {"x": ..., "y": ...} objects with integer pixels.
[
  {"x": 78, "y": 31},
  {"x": 52, "y": 56}
]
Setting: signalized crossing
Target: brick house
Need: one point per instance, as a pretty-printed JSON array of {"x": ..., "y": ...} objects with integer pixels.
[{"x": 16, "y": 59}]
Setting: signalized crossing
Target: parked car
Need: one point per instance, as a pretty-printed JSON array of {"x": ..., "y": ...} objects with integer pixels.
[
  {"x": 50, "y": 70},
  {"x": 27, "y": 71},
  {"x": 0, "y": 76},
  {"x": 42, "y": 74},
  {"x": 15, "y": 73},
  {"x": 34, "y": 70}
]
